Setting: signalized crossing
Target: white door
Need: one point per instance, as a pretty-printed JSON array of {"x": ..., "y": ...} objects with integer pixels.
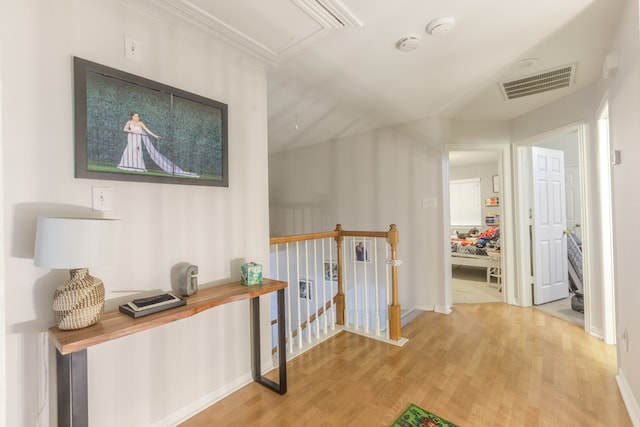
[{"x": 549, "y": 224}]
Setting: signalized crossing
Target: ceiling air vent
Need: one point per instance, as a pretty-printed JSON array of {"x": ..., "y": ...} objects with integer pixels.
[
  {"x": 539, "y": 83},
  {"x": 329, "y": 13}
]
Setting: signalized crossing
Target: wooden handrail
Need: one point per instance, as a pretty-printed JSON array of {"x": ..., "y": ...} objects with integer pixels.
[
  {"x": 327, "y": 234},
  {"x": 301, "y": 237},
  {"x": 381, "y": 234}
]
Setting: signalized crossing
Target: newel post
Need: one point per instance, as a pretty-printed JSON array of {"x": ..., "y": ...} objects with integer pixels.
[
  {"x": 395, "y": 332},
  {"x": 340, "y": 306}
]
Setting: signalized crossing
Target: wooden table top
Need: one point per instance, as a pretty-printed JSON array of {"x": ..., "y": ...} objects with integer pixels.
[{"x": 115, "y": 324}]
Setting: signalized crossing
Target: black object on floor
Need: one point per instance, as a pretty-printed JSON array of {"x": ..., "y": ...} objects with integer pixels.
[{"x": 577, "y": 301}]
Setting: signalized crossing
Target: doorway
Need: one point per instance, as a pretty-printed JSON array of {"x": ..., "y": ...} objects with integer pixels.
[
  {"x": 595, "y": 228},
  {"x": 474, "y": 217},
  {"x": 594, "y": 192},
  {"x": 569, "y": 141}
]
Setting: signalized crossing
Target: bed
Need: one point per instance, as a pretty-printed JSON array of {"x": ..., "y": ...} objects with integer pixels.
[{"x": 482, "y": 250}]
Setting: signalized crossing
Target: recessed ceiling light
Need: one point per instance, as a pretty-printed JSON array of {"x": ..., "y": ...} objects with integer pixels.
[
  {"x": 441, "y": 26},
  {"x": 407, "y": 44}
]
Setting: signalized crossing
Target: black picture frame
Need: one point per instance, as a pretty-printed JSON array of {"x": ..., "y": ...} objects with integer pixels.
[{"x": 192, "y": 148}]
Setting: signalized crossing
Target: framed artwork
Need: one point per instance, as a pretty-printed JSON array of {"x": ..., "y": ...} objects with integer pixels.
[
  {"x": 360, "y": 250},
  {"x": 330, "y": 271},
  {"x": 305, "y": 288},
  {"x": 128, "y": 128},
  {"x": 496, "y": 183}
]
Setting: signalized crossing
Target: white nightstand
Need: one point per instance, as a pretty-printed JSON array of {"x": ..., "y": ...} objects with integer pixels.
[{"x": 495, "y": 269}]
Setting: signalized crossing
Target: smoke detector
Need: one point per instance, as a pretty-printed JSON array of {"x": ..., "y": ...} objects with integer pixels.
[
  {"x": 407, "y": 44},
  {"x": 441, "y": 26}
]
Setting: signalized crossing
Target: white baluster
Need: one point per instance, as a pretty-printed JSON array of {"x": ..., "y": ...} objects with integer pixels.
[
  {"x": 377, "y": 292},
  {"x": 289, "y": 320}
]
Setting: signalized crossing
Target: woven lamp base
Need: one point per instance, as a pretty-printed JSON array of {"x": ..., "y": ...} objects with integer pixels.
[{"x": 79, "y": 302}]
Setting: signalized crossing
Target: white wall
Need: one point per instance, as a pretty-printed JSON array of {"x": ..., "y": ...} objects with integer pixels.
[
  {"x": 624, "y": 111},
  {"x": 161, "y": 225},
  {"x": 367, "y": 182}
]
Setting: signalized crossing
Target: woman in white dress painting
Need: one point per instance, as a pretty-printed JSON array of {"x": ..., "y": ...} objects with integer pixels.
[
  {"x": 132, "y": 156},
  {"x": 138, "y": 136}
]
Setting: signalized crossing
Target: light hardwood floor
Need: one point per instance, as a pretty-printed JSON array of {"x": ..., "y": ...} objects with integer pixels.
[{"x": 482, "y": 365}]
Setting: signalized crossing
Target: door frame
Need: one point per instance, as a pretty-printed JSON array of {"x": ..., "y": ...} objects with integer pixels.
[
  {"x": 521, "y": 210},
  {"x": 507, "y": 231},
  {"x": 605, "y": 179}
]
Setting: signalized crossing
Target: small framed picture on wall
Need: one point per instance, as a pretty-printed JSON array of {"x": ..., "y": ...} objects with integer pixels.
[
  {"x": 361, "y": 250},
  {"x": 305, "y": 288},
  {"x": 330, "y": 271}
]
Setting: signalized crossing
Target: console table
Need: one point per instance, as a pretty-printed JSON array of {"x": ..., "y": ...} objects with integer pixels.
[{"x": 71, "y": 354}]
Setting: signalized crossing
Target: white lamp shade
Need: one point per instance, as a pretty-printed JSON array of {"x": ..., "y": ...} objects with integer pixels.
[{"x": 72, "y": 243}]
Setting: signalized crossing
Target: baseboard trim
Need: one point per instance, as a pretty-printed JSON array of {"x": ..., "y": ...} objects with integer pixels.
[
  {"x": 188, "y": 411},
  {"x": 629, "y": 400},
  {"x": 408, "y": 317},
  {"x": 442, "y": 309}
]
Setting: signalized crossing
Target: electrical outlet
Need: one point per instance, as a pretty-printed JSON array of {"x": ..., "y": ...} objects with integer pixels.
[
  {"x": 623, "y": 336},
  {"x": 102, "y": 198}
]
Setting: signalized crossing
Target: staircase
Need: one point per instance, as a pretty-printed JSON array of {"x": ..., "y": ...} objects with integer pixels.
[{"x": 338, "y": 281}]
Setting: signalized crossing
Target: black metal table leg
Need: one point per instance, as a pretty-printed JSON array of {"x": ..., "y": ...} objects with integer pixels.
[
  {"x": 72, "y": 389},
  {"x": 255, "y": 344}
]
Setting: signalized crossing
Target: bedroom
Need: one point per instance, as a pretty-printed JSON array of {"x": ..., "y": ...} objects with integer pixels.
[{"x": 475, "y": 239}]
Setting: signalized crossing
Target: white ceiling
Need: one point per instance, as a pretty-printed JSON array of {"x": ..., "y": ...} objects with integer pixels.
[{"x": 325, "y": 82}]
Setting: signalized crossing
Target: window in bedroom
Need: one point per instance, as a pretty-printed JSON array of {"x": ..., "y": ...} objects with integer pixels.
[{"x": 465, "y": 200}]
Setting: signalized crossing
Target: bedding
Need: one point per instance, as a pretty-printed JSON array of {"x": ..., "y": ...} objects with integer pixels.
[
  {"x": 482, "y": 250},
  {"x": 476, "y": 244}
]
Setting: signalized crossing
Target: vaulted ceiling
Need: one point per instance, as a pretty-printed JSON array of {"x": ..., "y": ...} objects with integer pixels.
[{"x": 338, "y": 67}]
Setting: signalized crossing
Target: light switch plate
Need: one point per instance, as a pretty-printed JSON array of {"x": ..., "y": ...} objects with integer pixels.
[
  {"x": 430, "y": 202},
  {"x": 102, "y": 199}
]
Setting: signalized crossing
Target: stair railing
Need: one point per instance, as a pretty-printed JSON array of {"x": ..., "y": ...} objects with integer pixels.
[{"x": 335, "y": 283}]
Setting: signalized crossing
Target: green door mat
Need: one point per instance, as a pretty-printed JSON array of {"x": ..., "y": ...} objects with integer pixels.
[{"x": 415, "y": 416}]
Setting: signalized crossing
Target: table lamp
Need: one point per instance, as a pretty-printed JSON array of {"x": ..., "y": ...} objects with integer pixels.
[{"x": 75, "y": 244}]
